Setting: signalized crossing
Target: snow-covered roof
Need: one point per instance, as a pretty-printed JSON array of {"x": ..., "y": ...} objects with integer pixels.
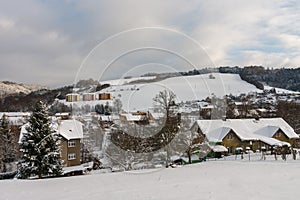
[
  {"x": 272, "y": 123},
  {"x": 217, "y": 135},
  {"x": 15, "y": 114},
  {"x": 267, "y": 131},
  {"x": 17, "y": 118},
  {"x": 246, "y": 129},
  {"x": 157, "y": 115},
  {"x": 70, "y": 129},
  {"x": 130, "y": 117},
  {"x": 216, "y": 130},
  {"x": 73, "y": 94},
  {"x": 106, "y": 118},
  {"x": 219, "y": 148},
  {"x": 239, "y": 103},
  {"x": 204, "y": 105},
  {"x": 62, "y": 114},
  {"x": 262, "y": 110},
  {"x": 271, "y": 141}
]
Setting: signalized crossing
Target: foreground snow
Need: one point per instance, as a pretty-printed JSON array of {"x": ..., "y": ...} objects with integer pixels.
[{"x": 221, "y": 179}]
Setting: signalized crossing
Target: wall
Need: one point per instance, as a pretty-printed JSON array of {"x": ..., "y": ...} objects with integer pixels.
[{"x": 65, "y": 150}]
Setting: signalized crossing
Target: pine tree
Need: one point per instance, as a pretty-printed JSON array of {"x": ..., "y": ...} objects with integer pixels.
[
  {"x": 41, "y": 153},
  {"x": 7, "y": 144}
]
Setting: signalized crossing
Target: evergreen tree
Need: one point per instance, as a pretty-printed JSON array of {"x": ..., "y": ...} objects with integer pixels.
[
  {"x": 7, "y": 144},
  {"x": 41, "y": 153}
]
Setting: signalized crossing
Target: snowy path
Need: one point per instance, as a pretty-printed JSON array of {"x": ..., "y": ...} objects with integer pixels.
[{"x": 208, "y": 180}]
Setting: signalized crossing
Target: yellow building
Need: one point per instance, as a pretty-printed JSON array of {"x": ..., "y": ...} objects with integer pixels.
[{"x": 73, "y": 97}]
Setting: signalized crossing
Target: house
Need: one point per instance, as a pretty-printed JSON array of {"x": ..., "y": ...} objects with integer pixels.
[
  {"x": 71, "y": 133},
  {"x": 105, "y": 121},
  {"x": 16, "y": 118},
  {"x": 73, "y": 97},
  {"x": 217, "y": 151},
  {"x": 105, "y": 96},
  {"x": 205, "y": 109},
  {"x": 253, "y": 133},
  {"x": 64, "y": 115},
  {"x": 88, "y": 97},
  {"x": 135, "y": 117}
]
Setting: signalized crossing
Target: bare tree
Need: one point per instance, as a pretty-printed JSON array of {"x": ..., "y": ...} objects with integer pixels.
[
  {"x": 219, "y": 110},
  {"x": 165, "y": 99},
  {"x": 117, "y": 105}
]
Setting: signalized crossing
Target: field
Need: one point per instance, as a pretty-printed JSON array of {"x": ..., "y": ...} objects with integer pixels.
[
  {"x": 139, "y": 97},
  {"x": 214, "y": 179}
]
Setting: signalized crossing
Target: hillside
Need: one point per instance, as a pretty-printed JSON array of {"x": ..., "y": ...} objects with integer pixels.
[
  {"x": 288, "y": 79},
  {"x": 8, "y": 88},
  {"x": 23, "y": 102},
  {"x": 137, "y": 93},
  {"x": 186, "y": 88}
]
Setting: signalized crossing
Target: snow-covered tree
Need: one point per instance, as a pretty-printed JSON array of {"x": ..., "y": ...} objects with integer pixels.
[
  {"x": 39, "y": 145},
  {"x": 7, "y": 144},
  {"x": 117, "y": 106}
]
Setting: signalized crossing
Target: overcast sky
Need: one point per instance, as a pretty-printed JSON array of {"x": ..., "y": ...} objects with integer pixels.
[{"x": 54, "y": 42}]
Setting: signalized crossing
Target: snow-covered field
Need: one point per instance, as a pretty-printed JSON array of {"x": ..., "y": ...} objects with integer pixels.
[
  {"x": 186, "y": 88},
  {"x": 221, "y": 179},
  {"x": 280, "y": 90},
  {"x": 123, "y": 81},
  {"x": 139, "y": 97}
]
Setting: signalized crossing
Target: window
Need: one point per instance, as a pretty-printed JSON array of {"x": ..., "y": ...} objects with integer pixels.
[
  {"x": 229, "y": 136},
  {"x": 71, "y": 143},
  {"x": 278, "y": 134},
  {"x": 71, "y": 156}
]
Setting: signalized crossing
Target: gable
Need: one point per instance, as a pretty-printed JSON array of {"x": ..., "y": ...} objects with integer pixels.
[
  {"x": 217, "y": 135},
  {"x": 279, "y": 134},
  {"x": 231, "y": 136}
]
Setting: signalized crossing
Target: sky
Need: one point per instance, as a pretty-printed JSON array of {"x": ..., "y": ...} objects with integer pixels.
[{"x": 57, "y": 42}]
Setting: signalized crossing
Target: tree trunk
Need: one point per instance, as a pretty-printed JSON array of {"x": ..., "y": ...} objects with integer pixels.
[
  {"x": 190, "y": 156},
  {"x": 4, "y": 167}
]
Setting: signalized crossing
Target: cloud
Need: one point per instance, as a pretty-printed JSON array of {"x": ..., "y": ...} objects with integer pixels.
[{"x": 46, "y": 42}]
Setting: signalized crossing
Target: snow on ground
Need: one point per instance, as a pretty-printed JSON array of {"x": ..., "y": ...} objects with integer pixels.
[
  {"x": 139, "y": 97},
  {"x": 186, "y": 88},
  {"x": 220, "y": 179},
  {"x": 123, "y": 81},
  {"x": 280, "y": 90}
]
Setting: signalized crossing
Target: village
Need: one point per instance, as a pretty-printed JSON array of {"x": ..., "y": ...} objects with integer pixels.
[{"x": 211, "y": 128}]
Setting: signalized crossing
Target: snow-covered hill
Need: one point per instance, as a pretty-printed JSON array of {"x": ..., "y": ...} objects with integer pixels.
[
  {"x": 124, "y": 81},
  {"x": 186, "y": 88},
  {"x": 232, "y": 180},
  {"x": 7, "y": 88}
]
